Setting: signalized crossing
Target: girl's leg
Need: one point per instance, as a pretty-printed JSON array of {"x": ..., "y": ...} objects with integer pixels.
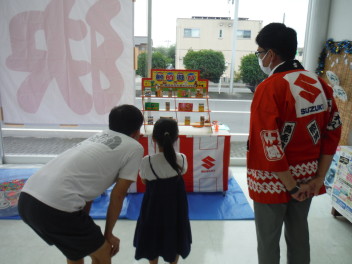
[
  {"x": 81, "y": 261},
  {"x": 176, "y": 259},
  {"x": 154, "y": 261}
]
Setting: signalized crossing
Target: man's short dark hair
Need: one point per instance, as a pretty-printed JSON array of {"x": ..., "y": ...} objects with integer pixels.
[
  {"x": 279, "y": 38},
  {"x": 125, "y": 119}
]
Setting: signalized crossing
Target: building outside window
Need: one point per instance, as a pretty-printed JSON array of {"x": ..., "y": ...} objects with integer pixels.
[{"x": 217, "y": 34}]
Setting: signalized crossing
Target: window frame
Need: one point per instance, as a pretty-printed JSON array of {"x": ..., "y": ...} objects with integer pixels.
[{"x": 191, "y": 31}]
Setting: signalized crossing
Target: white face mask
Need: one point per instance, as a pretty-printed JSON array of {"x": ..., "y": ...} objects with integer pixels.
[{"x": 266, "y": 69}]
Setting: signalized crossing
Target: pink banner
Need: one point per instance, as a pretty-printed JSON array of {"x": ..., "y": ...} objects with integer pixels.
[{"x": 65, "y": 62}]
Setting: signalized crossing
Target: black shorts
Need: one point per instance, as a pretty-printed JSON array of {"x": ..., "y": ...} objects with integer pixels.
[{"x": 74, "y": 234}]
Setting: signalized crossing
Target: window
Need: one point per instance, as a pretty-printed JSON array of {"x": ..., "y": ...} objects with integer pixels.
[
  {"x": 243, "y": 34},
  {"x": 220, "y": 33},
  {"x": 191, "y": 33}
]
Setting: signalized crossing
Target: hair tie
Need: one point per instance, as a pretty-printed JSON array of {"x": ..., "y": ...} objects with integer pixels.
[{"x": 166, "y": 134}]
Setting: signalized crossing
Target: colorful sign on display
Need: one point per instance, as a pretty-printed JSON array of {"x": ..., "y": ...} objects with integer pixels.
[{"x": 174, "y": 79}]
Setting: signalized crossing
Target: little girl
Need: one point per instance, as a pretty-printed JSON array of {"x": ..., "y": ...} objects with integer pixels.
[{"x": 163, "y": 228}]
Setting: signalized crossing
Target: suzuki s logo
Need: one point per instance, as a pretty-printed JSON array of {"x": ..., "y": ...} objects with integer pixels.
[
  {"x": 208, "y": 162},
  {"x": 309, "y": 92}
]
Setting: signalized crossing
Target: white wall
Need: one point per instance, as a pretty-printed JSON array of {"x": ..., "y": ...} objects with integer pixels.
[
  {"x": 316, "y": 31},
  {"x": 340, "y": 20},
  {"x": 326, "y": 19}
]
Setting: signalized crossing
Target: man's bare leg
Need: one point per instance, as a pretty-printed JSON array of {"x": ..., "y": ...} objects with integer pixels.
[{"x": 102, "y": 255}]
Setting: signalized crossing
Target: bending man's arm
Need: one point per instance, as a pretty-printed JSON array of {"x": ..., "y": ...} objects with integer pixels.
[{"x": 117, "y": 196}]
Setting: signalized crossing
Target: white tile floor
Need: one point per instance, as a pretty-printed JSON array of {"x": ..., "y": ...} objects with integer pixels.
[{"x": 214, "y": 242}]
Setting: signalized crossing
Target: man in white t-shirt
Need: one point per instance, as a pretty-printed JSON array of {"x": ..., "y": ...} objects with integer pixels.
[{"x": 53, "y": 201}]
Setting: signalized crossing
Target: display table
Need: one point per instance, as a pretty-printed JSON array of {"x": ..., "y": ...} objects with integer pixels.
[
  {"x": 208, "y": 157},
  {"x": 183, "y": 96}
]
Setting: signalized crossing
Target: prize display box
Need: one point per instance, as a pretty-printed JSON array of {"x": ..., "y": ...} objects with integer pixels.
[
  {"x": 341, "y": 193},
  {"x": 177, "y": 94}
]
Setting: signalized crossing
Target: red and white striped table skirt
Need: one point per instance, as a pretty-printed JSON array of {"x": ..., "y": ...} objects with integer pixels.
[{"x": 208, "y": 160}]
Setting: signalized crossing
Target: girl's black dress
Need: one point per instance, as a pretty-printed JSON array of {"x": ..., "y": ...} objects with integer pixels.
[{"x": 163, "y": 228}]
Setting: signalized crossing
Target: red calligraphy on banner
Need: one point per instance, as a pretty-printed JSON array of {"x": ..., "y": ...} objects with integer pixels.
[
  {"x": 56, "y": 62},
  {"x": 105, "y": 99}
]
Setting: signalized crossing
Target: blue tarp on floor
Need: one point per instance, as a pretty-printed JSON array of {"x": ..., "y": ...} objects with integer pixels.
[{"x": 231, "y": 205}]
